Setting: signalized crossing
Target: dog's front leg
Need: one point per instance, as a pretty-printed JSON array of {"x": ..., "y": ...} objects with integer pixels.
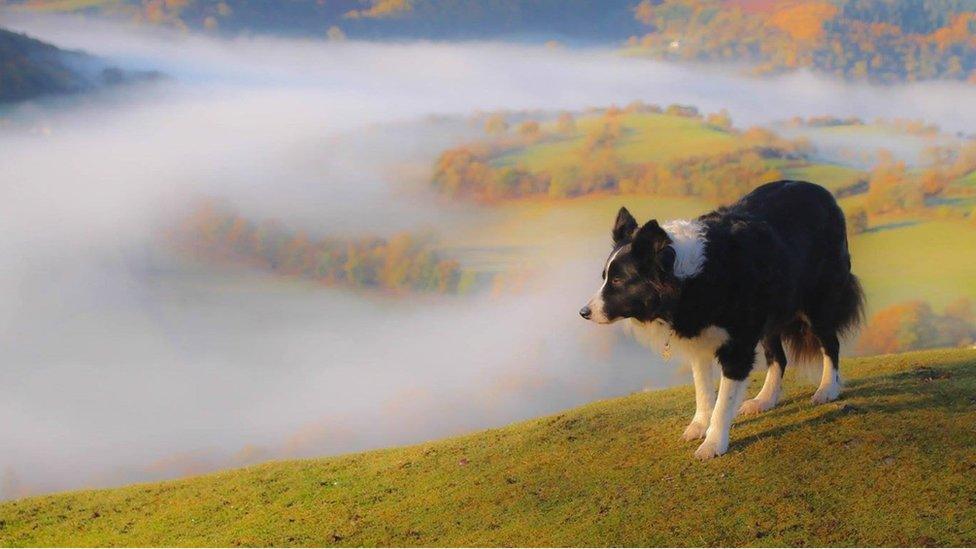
[
  {"x": 736, "y": 360},
  {"x": 703, "y": 373}
]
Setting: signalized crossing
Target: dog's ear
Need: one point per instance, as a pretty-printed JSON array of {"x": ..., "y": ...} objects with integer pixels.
[
  {"x": 665, "y": 259},
  {"x": 650, "y": 241},
  {"x": 624, "y": 226}
]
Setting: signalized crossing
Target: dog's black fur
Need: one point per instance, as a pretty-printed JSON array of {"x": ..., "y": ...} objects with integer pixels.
[{"x": 777, "y": 270}]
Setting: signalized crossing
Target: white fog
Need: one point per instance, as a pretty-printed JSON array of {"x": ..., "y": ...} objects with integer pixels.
[{"x": 120, "y": 364}]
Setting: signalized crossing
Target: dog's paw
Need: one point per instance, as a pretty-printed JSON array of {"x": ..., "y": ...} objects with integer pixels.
[
  {"x": 756, "y": 406},
  {"x": 826, "y": 394},
  {"x": 694, "y": 431},
  {"x": 710, "y": 449}
]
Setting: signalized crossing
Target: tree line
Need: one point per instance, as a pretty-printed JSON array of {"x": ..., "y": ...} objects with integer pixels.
[
  {"x": 914, "y": 325},
  {"x": 883, "y": 41},
  {"x": 214, "y": 232}
]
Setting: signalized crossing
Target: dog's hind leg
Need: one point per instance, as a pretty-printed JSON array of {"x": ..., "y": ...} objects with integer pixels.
[
  {"x": 830, "y": 386},
  {"x": 703, "y": 373},
  {"x": 768, "y": 396}
]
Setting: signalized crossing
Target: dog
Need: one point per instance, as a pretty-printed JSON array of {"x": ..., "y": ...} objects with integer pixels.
[{"x": 772, "y": 269}]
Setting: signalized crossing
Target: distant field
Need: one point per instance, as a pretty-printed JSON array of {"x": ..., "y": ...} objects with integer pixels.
[
  {"x": 528, "y": 231},
  {"x": 967, "y": 181},
  {"x": 931, "y": 260},
  {"x": 544, "y": 221},
  {"x": 891, "y": 464},
  {"x": 647, "y": 137},
  {"x": 831, "y": 176}
]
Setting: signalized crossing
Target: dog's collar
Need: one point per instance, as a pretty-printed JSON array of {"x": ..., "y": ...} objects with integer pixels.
[{"x": 666, "y": 352}]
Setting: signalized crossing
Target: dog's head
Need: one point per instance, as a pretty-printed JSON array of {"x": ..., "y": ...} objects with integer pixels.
[{"x": 638, "y": 277}]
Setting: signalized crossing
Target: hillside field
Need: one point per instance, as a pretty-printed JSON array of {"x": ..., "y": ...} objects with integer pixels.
[{"x": 891, "y": 463}]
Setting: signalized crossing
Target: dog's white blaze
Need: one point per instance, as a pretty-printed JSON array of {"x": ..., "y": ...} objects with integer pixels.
[
  {"x": 688, "y": 241},
  {"x": 716, "y": 443},
  {"x": 829, "y": 388},
  {"x": 596, "y": 302}
]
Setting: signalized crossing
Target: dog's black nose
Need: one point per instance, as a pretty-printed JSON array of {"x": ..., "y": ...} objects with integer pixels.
[{"x": 585, "y": 312}]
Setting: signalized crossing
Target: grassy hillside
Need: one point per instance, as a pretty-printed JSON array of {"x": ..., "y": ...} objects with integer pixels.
[{"x": 890, "y": 464}]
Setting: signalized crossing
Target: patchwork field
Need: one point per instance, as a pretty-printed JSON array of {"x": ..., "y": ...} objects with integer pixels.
[
  {"x": 609, "y": 473},
  {"x": 646, "y": 137}
]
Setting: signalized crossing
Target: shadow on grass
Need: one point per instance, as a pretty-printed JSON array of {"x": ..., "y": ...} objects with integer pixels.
[{"x": 948, "y": 387}]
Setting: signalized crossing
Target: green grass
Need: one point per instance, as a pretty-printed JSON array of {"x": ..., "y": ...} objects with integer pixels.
[
  {"x": 831, "y": 176},
  {"x": 969, "y": 180},
  {"x": 891, "y": 464},
  {"x": 646, "y": 137},
  {"x": 932, "y": 260}
]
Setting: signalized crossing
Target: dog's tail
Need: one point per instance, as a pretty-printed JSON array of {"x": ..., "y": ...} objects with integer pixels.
[
  {"x": 847, "y": 316},
  {"x": 802, "y": 345},
  {"x": 850, "y": 313}
]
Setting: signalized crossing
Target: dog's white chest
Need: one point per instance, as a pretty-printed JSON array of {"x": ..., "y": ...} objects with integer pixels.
[{"x": 660, "y": 336}]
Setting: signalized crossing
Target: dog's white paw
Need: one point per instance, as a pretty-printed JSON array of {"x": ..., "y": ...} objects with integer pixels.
[
  {"x": 826, "y": 394},
  {"x": 710, "y": 449},
  {"x": 756, "y": 406},
  {"x": 694, "y": 431}
]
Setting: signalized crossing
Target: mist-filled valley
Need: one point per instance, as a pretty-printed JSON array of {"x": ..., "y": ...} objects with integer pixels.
[{"x": 125, "y": 358}]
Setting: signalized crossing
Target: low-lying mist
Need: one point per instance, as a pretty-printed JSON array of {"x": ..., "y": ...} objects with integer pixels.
[{"x": 124, "y": 363}]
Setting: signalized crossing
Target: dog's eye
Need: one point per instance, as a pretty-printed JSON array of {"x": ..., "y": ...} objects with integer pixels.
[{"x": 616, "y": 281}]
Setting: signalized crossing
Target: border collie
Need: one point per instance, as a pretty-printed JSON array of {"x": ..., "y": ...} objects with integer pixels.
[{"x": 773, "y": 268}]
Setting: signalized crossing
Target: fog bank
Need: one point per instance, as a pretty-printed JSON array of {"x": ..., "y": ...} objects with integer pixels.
[{"x": 124, "y": 363}]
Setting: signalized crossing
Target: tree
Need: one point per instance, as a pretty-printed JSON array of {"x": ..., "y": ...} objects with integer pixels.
[
  {"x": 335, "y": 34},
  {"x": 857, "y": 220},
  {"x": 890, "y": 189},
  {"x": 566, "y": 124},
  {"x": 644, "y": 12},
  {"x": 914, "y": 325},
  {"x": 496, "y": 124},
  {"x": 720, "y": 120},
  {"x": 530, "y": 130}
]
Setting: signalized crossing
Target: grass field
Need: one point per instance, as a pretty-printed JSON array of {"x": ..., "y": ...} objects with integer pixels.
[
  {"x": 550, "y": 222},
  {"x": 931, "y": 260},
  {"x": 646, "y": 137},
  {"x": 890, "y": 464},
  {"x": 831, "y": 176}
]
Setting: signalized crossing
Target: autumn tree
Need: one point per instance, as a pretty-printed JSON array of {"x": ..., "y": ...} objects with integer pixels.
[
  {"x": 566, "y": 124},
  {"x": 914, "y": 325},
  {"x": 496, "y": 124},
  {"x": 720, "y": 120},
  {"x": 857, "y": 220}
]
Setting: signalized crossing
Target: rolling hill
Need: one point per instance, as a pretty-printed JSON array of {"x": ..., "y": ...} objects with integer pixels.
[
  {"x": 30, "y": 68},
  {"x": 890, "y": 464}
]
